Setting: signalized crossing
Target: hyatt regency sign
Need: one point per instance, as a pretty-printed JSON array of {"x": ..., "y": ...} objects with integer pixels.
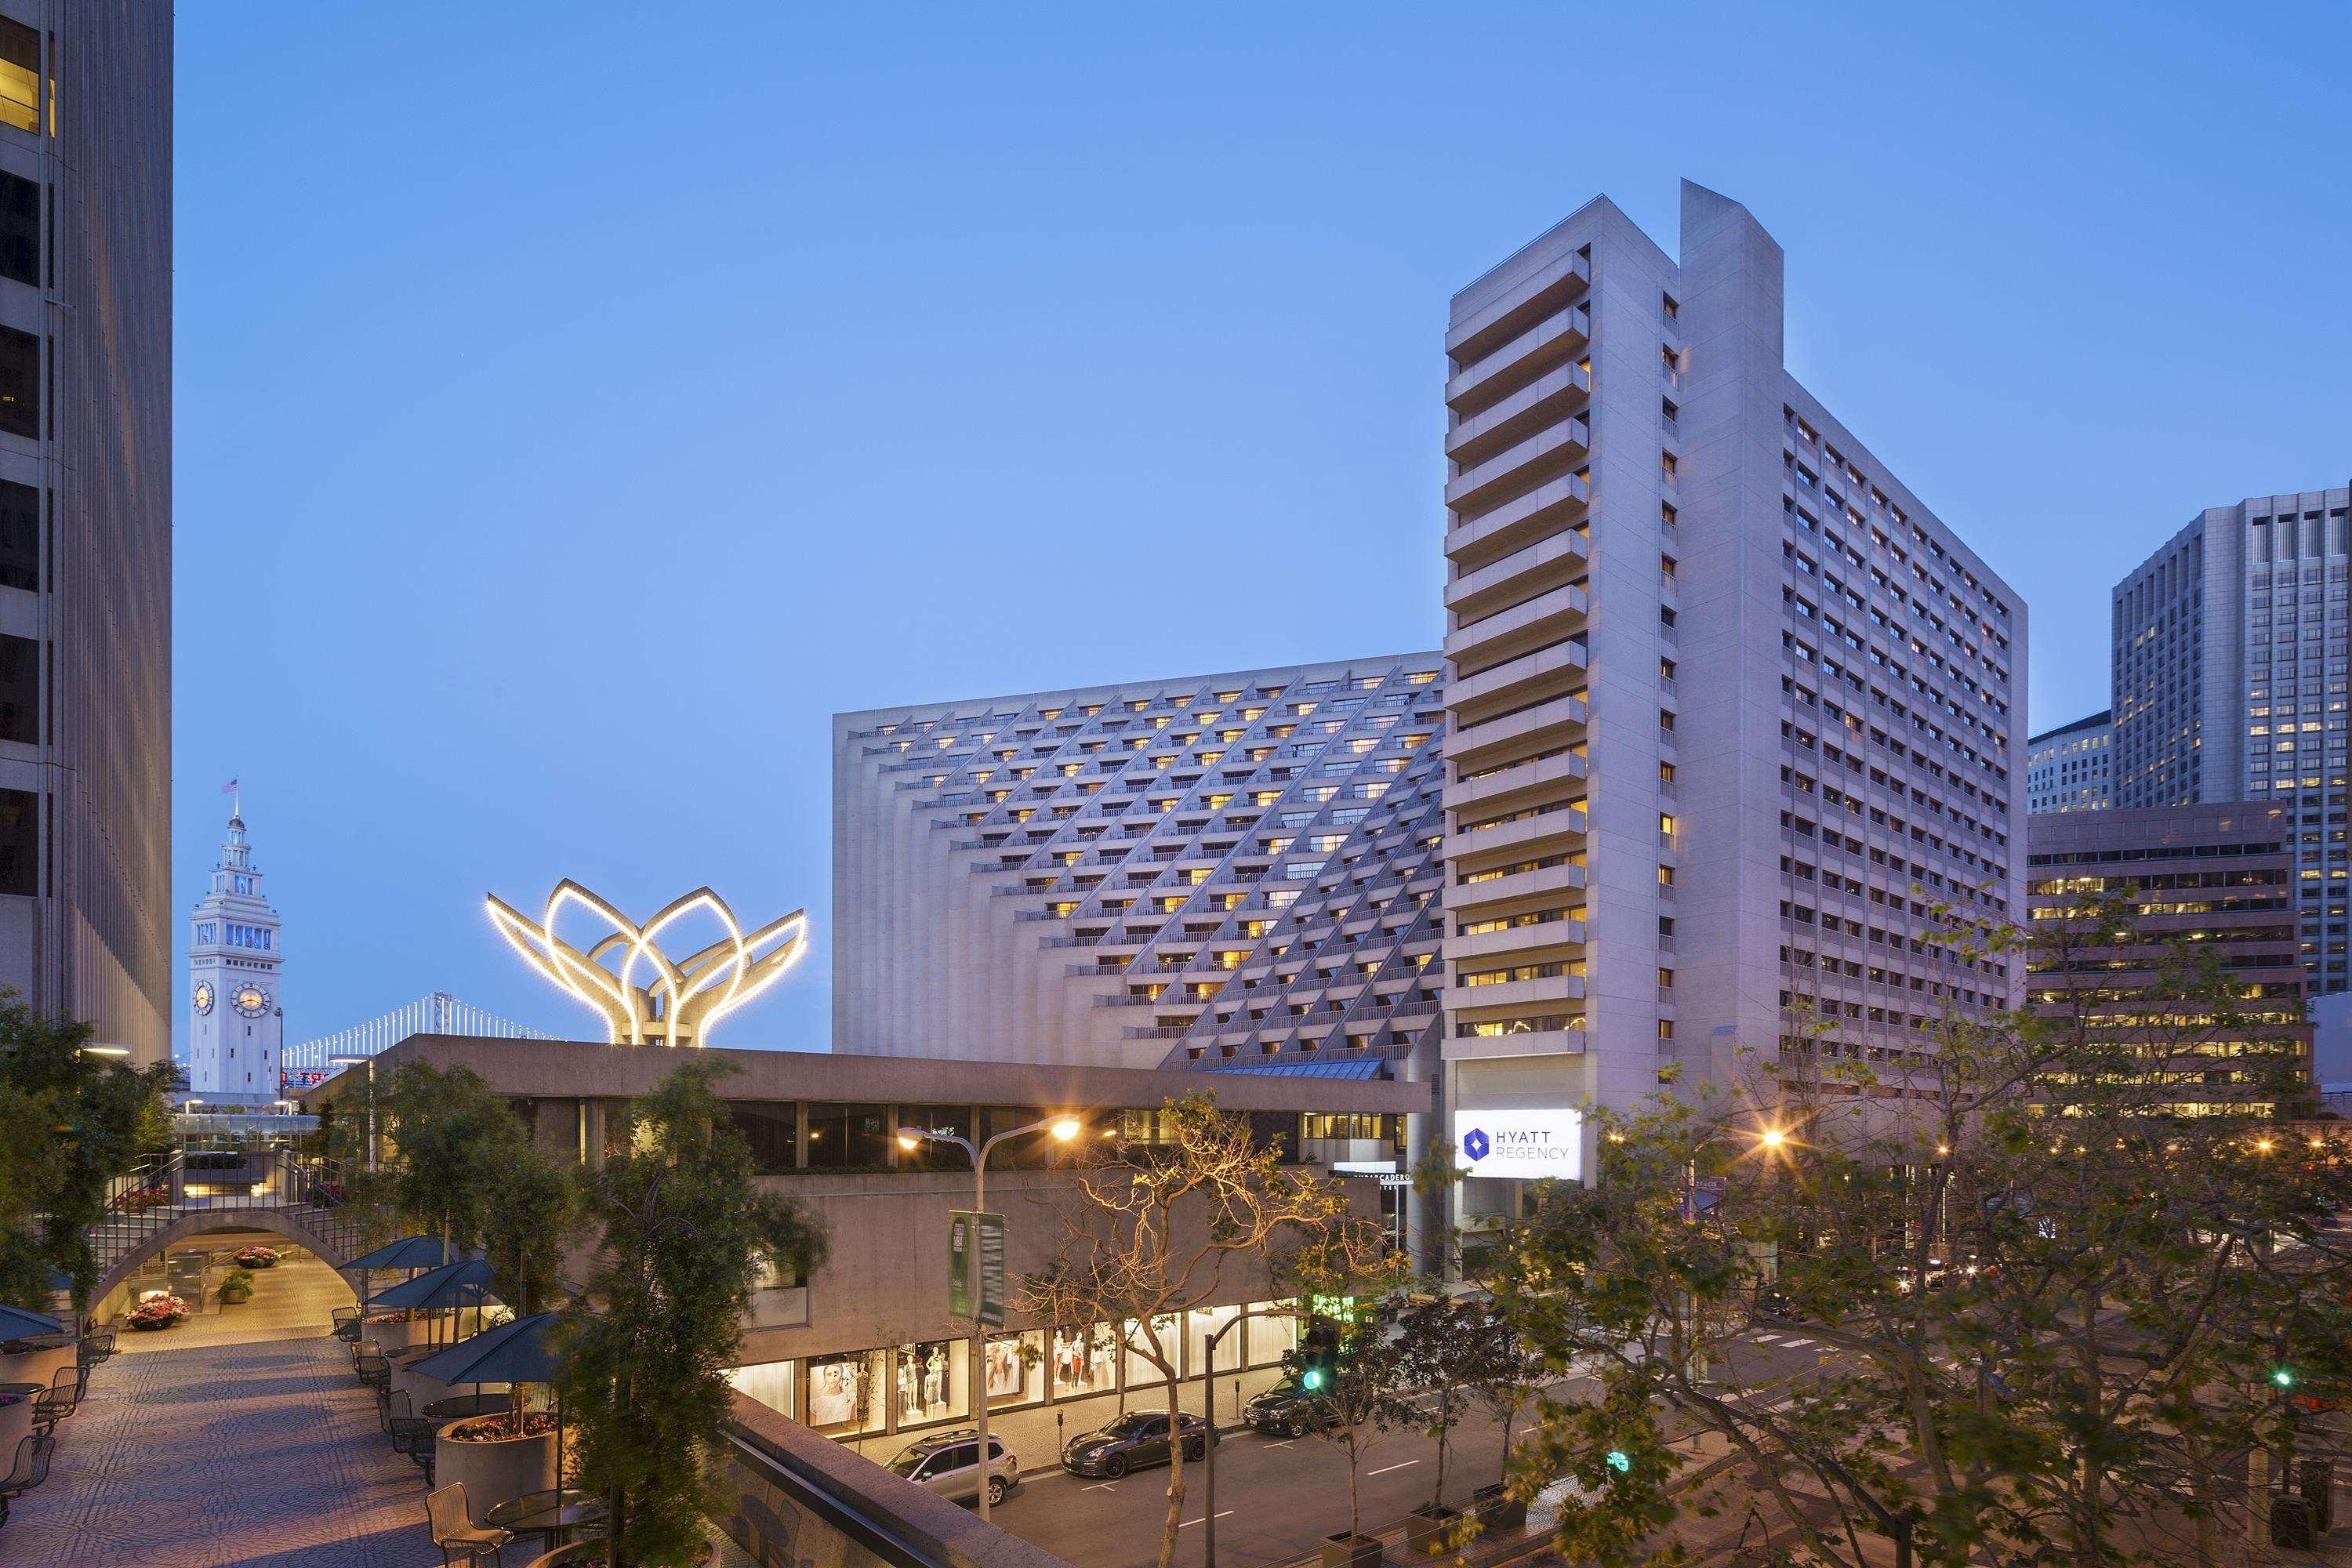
[{"x": 1522, "y": 1143}]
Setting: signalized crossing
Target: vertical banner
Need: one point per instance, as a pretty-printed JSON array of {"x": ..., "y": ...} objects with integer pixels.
[{"x": 976, "y": 1267}]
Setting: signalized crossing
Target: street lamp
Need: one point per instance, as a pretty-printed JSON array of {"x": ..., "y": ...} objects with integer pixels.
[
  {"x": 354, "y": 1061},
  {"x": 105, "y": 1050},
  {"x": 1064, "y": 1128}
]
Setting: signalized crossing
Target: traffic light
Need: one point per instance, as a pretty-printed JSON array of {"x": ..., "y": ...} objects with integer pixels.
[
  {"x": 1320, "y": 1361},
  {"x": 2282, "y": 1377},
  {"x": 1620, "y": 1461}
]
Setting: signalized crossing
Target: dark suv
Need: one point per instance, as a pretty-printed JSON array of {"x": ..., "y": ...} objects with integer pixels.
[
  {"x": 1286, "y": 1410},
  {"x": 1133, "y": 1442}
]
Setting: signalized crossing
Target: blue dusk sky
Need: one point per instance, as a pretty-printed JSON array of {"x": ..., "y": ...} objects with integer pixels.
[{"x": 578, "y": 403}]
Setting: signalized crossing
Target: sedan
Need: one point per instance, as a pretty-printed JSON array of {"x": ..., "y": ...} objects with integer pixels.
[
  {"x": 1133, "y": 1442},
  {"x": 1286, "y": 1410}
]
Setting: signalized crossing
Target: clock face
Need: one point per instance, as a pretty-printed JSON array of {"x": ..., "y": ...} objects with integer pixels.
[
  {"x": 204, "y": 996},
  {"x": 251, "y": 1000}
]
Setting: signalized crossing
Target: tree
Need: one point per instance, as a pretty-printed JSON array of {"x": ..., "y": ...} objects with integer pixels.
[
  {"x": 685, "y": 1228},
  {"x": 2052, "y": 1297},
  {"x": 448, "y": 1130},
  {"x": 531, "y": 1210},
  {"x": 1149, "y": 1231},
  {"x": 1362, "y": 1401},
  {"x": 1445, "y": 1350},
  {"x": 75, "y": 1119}
]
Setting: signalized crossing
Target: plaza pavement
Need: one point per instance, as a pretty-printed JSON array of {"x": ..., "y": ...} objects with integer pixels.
[{"x": 240, "y": 1439}]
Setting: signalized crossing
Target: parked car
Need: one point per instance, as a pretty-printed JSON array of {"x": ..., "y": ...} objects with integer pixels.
[
  {"x": 948, "y": 1464},
  {"x": 1132, "y": 1442},
  {"x": 1286, "y": 1410}
]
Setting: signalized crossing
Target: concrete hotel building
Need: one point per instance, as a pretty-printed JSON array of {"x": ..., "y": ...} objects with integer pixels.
[
  {"x": 2232, "y": 662},
  {"x": 86, "y": 514},
  {"x": 1718, "y": 683},
  {"x": 2219, "y": 876},
  {"x": 2066, "y": 769},
  {"x": 1235, "y": 869}
]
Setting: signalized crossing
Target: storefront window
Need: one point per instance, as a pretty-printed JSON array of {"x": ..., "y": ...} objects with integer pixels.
[
  {"x": 1016, "y": 1369},
  {"x": 1271, "y": 1336},
  {"x": 847, "y": 1137},
  {"x": 1205, "y": 1321},
  {"x": 934, "y": 1381},
  {"x": 844, "y": 1393},
  {"x": 931, "y": 1155},
  {"x": 1144, "y": 1376},
  {"x": 1085, "y": 1361},
  {"x": 770, "y": 1382},
  {"x": 771, "y": 1126}
]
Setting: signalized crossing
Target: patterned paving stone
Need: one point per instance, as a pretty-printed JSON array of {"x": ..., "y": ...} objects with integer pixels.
[{"x": 228, "y": 1455}]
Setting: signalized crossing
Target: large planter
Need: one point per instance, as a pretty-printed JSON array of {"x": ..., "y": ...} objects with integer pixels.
[
  {"x": 496, "y": 1471},
  {"x": 1346, "y": 1550},
  {"x": 1498, "y": 1510},
  {"x": 1429, "y": 1531},
  {"x": 16, "y": 1420},
  {"x": 584, "y": 1551},
  {"x": 39, "y": 1362},
  {"x": 421, "y": 1391},
  {"x": 399, "y": 1334}
]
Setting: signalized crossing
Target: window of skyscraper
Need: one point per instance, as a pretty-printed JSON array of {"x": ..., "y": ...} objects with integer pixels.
[
  {"x": 20, "y": 229},
  {"x": 20, "y": 690},
  {"x": 20, "y": 76},
  {"x": 20, "y": 843},
  {"x": 20, "y": 383},
  {"x": 20, "y": 535}
]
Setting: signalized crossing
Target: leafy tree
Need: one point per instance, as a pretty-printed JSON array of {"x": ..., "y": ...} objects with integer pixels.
[
  {"x": 75, "y": 1119},
  {"x": 533, "y": 1209},
  {"x": 1444, "y": 1350},
  {"x": 1149, "y": 1231},
  {"x": 447, "y": 1130},
  {"x": 2052, "y": 1300},
  {"x": 1364, "y": 1402},
  {"x": 685, "y": 1229}
]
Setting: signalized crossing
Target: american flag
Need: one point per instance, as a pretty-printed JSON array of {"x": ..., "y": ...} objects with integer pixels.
[{"x": 229, "y": 788}]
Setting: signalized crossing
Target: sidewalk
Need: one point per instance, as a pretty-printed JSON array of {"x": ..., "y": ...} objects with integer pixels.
[{"x": 205, "y": 1456}]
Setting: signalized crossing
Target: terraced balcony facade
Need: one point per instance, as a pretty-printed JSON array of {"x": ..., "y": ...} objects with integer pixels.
[{"x": 1218, "y": 872}]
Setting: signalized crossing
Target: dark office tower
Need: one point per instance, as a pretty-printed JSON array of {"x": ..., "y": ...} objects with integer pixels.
[{"x": 86, "y": 512}]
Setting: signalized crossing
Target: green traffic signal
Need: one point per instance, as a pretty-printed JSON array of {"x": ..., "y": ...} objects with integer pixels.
[
  {"x": 1312, "y": 1378},
  {"x": 1620, "y": 1461},
  {"x": 2283, "y": 1376}
]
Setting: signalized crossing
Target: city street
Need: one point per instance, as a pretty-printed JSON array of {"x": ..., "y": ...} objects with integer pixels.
[{"x": 1277, "y": 1500}]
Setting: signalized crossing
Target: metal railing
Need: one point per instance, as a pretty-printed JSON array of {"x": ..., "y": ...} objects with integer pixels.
[{"x": 159, "y": 1193}]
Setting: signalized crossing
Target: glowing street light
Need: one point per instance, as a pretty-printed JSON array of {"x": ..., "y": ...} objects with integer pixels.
[
  {"x": 1064, "y": 1128},
  {"x": 1773, "y": 1138}
]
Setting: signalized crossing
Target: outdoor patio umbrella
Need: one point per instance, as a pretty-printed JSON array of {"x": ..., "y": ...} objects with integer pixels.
[
  {"x": 458, "y": 1285},
  {"x": 410, "y": 1253},
  {"x": 15, "y": 1323},
  {"x": 513, "y": 1352}
]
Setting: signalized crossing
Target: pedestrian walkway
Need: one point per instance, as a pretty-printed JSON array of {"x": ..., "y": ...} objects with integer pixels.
[{"x": 208, "y": 1456}]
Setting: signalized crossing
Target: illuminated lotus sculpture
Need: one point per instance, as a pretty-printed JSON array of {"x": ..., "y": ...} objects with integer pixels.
[{"x": 641, "y": 994}]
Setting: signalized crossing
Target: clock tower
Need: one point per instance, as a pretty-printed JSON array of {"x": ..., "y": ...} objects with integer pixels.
[{"x": 236, "y": 1023}]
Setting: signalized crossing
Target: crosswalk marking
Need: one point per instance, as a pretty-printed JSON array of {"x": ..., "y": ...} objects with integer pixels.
[
  {"x": 1765, "y": 1339},
  {"x": 1795, "y": 1345}
]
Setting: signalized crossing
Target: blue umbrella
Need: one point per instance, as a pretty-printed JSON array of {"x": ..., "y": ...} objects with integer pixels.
[
  {"x": 462, "y": 1284},
  {"x": 511, "y": 1352},
  {"x": 408, "y": 1252},
  {"x": 15, "y": 1323}
]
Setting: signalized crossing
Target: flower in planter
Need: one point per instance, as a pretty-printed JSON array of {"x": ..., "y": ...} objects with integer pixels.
[
  {"x": 258, "y": 1257},
  {"x": 158, "y": 1311}
]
